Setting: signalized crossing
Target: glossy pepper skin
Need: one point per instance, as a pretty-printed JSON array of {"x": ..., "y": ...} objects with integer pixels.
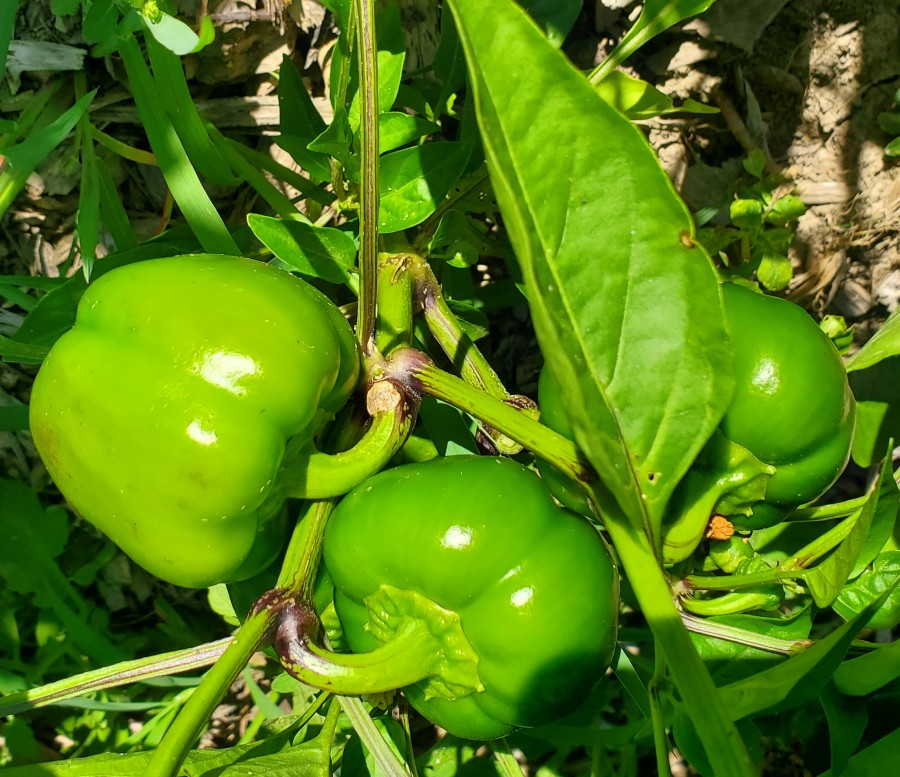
[
  {"x": 792, "y": 407},
  {"x": 163, "y": 414},
  {"x": 533, "y": 584}
]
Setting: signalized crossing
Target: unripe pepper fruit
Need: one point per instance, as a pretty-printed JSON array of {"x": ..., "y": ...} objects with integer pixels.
[
  {"x": 533, "y": 585},
  {"x": 792, "y": 407},
  {"x": 163, "y": 414}
]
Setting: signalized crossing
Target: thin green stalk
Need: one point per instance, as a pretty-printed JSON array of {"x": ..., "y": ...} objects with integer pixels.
[
  {"x": 316, "y": 475},
  {"x": 446, "y": 329},
  {"x": 738, "y": 636},
  {"x": 826, "y": 512},
  {"x": 276, "y": 200},
  {"x": 171, "y": 752},
  {"x": 660, "y": 737},
  {"x": 301, "y": 562},
  {"x": 302, "y": 184},
  {"x": 87, "y": 219},
  {"x": 507, "y": 765},
  {"x": 721, "y": 740},
  {"x": 386, "y": 759},
  {"x": 368, "y": 190},
  {"x": 114, "y": 676},
  {"x": 822, "y": 545},
  {"x": 736, "y": 582},
  {"x": 125, "y": 151}
]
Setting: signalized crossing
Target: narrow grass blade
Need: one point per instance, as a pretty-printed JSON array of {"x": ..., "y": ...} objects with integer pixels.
[
  {"x": 176, "y": 167},
  {"x": 179, "y": 104},
  {"x": 24, "y": 157}
]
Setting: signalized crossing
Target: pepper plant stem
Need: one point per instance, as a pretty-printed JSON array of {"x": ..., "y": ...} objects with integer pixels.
[
  {"x": 368, "y": 192},
  {"x": 824, "y": 543},
  {"x": 393, "y": 327},
  {"x": 660, "y": 738},
  {"x": 172, "y": 750},
  {"x": 721, "y": 740},
  {"x": 295, "y": 581},
  {"x": 526, "y": 431},
  {"x": 827, "y": 512},
  {"x": 739, "y": 636},
  {"x": 736, "y": 582},
  {"x": 446, "y": 329}
]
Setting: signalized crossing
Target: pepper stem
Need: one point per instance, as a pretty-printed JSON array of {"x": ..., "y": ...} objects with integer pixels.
[
  {"x": 421, "y": 642},
  {"x": 407, "y": 659},
  {"x": 310, "y": 474}
]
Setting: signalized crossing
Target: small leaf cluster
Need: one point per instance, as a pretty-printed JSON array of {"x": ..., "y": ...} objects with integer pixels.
[{"x": 759, "y": 228}]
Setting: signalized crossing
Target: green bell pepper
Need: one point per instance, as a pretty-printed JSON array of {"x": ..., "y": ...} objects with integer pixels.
[
  {"x": 792, "y": 408},
  {"x": 520, "y": 591},
  {"x": 164, "y": 414}
]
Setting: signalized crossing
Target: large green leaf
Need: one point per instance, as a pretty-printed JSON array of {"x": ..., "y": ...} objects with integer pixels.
[
  {"x": 626, "y": 307},
  {"x": 869, "y": 672},
  {"x": 556, "y": 17}
]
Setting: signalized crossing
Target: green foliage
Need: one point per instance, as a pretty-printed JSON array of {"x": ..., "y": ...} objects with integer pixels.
[
  {"x": 758, "y": 232},
  {"x": 514, "y": 178},
  {"x": 889, "y": 121}
]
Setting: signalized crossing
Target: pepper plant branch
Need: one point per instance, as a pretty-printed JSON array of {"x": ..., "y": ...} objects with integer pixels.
[
  {"x": 654, "y": 694},
  {"x": 446, "y": 329},
  {"x": 720, "y": 737},
  {"x": 382, "y": 753},
  {"x": 411, "y": 656},
  {"x": 297, "y": 577},
  {"x": 295, "y": 581},
  {"x": 736, "y": 582},
  {"x": 368, "y": 192},
  {"x": 301, "y": 561},
  {"x": 114, "y": 676},
  {"x": 172, "y": 750},
  {"x": 507, "y": 765},
  {"x": 393, "y": 328},
  {"x": 414, "y": 367},
  {"x": 824, "y": 543}
]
